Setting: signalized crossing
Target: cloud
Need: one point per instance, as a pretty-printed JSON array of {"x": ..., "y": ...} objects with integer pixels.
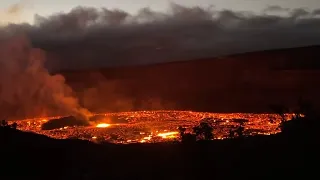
[
  {"x": 89, "y": 37},
  {"x": 14, "y": 9},
  {"x": 276, "y": 8},
  {"x": 12, "y": 13}
]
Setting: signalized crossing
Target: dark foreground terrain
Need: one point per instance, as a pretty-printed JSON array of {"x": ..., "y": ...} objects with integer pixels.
[{"x": 25, "y": 155}]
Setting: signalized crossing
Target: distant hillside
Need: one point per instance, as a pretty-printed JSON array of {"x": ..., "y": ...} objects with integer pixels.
[
  {"x": 246, "y": 82},
  {"x": 290, "y": 58}
]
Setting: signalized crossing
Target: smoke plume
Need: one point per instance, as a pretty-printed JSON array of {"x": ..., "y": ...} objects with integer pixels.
[{"x": 26, "y": 87}]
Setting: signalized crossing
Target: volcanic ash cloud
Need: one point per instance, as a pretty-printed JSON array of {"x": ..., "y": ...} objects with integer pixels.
[{"x": 26, "y": 87}]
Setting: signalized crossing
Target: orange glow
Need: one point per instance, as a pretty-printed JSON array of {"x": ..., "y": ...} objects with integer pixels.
[
  {"x": 168, "y": 135},
  {"x": 102, "y": 125},
  {"x": 302, "y": 115},
  {"x": 136, "y": 130},
  {"x": 44, "y": 120},
  {"x": 147, "y": 138}
]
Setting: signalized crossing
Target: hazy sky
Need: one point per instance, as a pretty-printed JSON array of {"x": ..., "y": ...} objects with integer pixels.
[{"x": 28, "y": 8}]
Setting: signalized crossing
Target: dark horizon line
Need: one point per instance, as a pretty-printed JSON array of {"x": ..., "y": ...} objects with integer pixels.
[{"x": 187, "y": 60}]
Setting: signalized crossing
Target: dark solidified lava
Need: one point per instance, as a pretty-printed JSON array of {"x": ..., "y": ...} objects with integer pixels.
[{"x": 63, "y": 122}]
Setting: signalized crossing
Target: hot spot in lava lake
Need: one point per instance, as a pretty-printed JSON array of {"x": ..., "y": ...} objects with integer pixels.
[{"x": 152, "y": 126}]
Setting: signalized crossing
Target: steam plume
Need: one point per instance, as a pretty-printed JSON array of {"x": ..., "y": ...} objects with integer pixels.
[{"x": 27, "y": 89}]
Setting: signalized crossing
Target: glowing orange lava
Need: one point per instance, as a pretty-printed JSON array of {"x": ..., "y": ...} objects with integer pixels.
[
  {"x": 154, "y": 126},
  {"x": 168, "y": 135},
  {"x": 102, "y": 125}
]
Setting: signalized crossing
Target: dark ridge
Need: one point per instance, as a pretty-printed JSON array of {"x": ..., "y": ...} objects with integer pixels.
[{"x": 291, "y": 52}]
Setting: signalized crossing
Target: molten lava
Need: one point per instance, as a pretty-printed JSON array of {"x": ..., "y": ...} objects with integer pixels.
[
  {"x": 168, "y": 135},
  {"x": 102, "y": 125},
  {"x": 152, "y": 126}
]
